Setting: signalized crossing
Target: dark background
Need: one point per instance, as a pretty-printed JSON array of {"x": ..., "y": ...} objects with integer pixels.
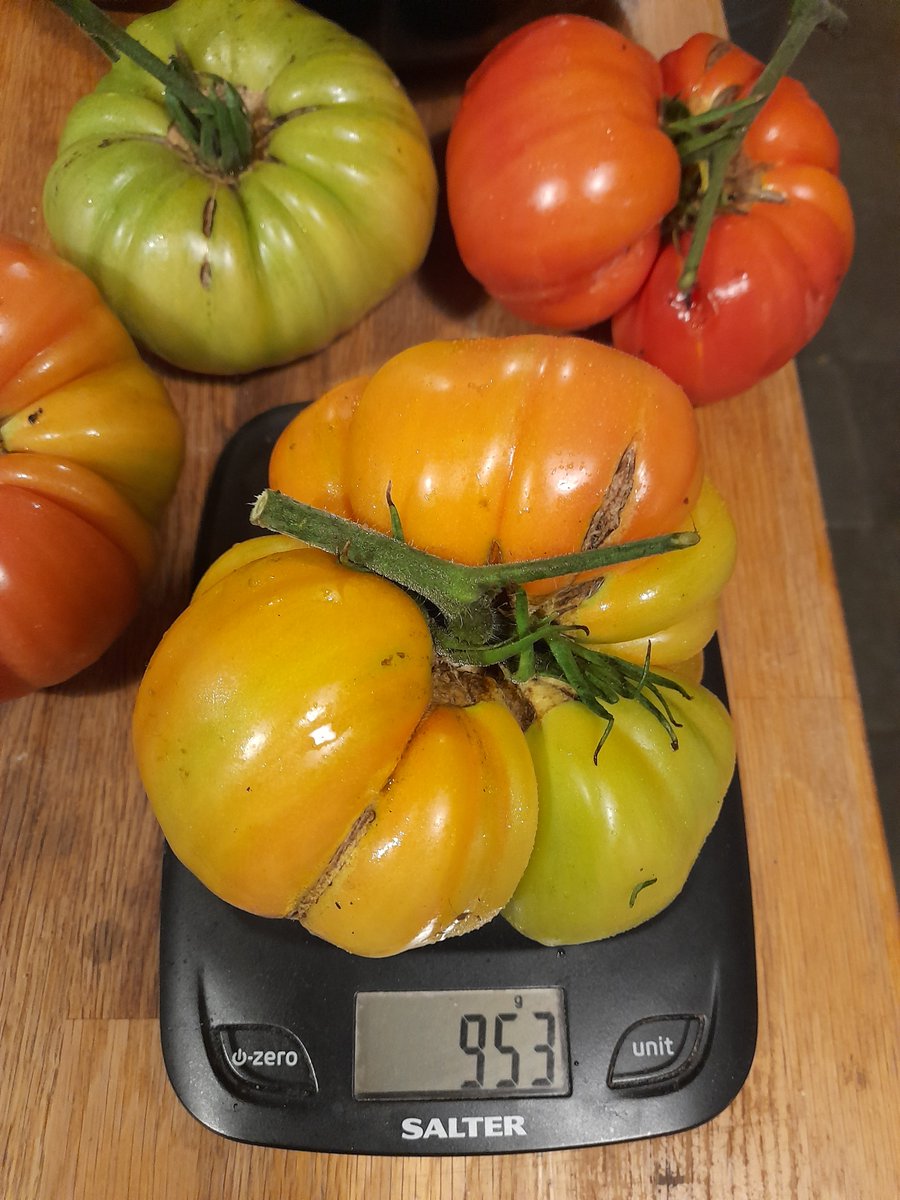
[{"x": 850, "y": 373}]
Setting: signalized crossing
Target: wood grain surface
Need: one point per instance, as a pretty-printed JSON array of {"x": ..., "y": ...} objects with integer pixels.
[{"x": 86, "y": 1111}]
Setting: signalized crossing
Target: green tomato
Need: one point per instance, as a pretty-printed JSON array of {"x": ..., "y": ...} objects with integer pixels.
[
  {"x": 616, "y": 839},
  {"x": 228, "y": 273}
]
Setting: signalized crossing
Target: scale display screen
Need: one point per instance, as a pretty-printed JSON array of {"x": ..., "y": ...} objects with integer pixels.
[{"x": 477, "y": 1043}]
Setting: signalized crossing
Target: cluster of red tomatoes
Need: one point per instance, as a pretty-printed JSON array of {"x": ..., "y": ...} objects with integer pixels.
[{"x": 572, "y": 201}]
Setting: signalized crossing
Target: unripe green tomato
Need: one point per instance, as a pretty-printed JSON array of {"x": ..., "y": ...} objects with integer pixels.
[
  {"x": 229, "y": 271},
  {"x": 617, "y": 838}
]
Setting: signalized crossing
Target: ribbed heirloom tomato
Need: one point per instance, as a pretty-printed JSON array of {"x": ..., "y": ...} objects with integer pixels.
[
  {"x": 582, "y": 174},
  {"x": 250, "y": 205},
  {"x": 290, "y": 740},
  {"x": 511, "y": 447},
  {"x": 776, "y": 253},
  {"x": 90, "y": 451},
  {"x": 558, "y": 174},
  {"x": 358, "y": 738}
]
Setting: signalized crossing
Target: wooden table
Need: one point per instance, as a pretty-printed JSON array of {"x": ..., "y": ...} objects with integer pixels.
[{"x": 87, "y": 1111}]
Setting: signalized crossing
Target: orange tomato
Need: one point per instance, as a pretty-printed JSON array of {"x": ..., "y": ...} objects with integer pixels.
[
  {"x": 558, "y": 174},
  {"x": 498, "y": 447},
  {"x": 90, "y": 451},
  {"x": 299, "y": 762}
]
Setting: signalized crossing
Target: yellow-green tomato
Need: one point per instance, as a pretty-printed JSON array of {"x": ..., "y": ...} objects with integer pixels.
[
  {"x": 227, "y": 270},
  {"x": 669, "y": 601},
  {"x": 292, "y": 748},
  {"x": 616, "y": 839}
]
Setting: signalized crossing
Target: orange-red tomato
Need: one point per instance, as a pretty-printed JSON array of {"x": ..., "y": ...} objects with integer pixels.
[
  {"x": 776, "y": 254},
  {"x": 558, "y": 174},
  {"x": 90, "y": 451},
  {"x": 561, "y": 174}
]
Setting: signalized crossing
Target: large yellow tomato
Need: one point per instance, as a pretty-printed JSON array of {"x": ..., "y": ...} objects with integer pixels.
[{"x": 301, "y": 762}]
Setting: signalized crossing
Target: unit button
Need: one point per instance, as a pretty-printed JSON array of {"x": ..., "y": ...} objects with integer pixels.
[
  {"x": 264, "y": 1062},
  {"x": 656, "y": 1050}
]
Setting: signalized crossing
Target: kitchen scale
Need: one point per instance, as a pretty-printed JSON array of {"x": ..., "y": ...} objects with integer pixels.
[{"x": 484, "y": 1044}]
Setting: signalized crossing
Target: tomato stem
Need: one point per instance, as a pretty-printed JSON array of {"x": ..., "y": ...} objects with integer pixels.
[
  {"x": 701, "y": 120},
  {"x": 212, "y": 119},
  {"x": 465, "y": 597},
  {"x": 456, "y": 590},
  {"x": 717, "y": 135}
]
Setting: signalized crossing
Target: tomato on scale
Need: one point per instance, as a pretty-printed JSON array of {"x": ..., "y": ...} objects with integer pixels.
[
  {"x": 695, "y": 201},
  {"x": 380, "y": 719}
]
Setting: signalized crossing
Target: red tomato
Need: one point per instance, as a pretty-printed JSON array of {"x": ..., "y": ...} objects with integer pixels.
[
  {"x": 561, "y": 175},
  {"x": 776, "y": 254},
  {"x": 90, "y": 450},
  {"x": 558, "y": 174}
]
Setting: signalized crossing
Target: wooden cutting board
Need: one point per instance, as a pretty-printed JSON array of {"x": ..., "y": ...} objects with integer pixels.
[{"x": 87, "y": 1112}]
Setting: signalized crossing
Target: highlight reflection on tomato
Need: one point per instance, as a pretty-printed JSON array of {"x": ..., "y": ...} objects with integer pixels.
[{"x": 300, "y": 763}]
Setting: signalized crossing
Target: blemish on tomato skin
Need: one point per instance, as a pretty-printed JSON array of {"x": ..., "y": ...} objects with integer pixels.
[
  {"x": 209, "y": 215},
  {"x": 34, "y": 417},
  {"x": 206, "y": 275}
]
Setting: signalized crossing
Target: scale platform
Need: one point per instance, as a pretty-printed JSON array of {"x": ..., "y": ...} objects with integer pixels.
[{"x": 484, "y": 1044}]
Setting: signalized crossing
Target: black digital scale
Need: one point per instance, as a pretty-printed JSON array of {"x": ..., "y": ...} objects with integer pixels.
[{"x": 484, "y": 1044}]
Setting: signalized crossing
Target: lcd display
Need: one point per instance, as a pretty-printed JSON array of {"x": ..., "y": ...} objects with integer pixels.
[{"x": 473, "y": 1043}]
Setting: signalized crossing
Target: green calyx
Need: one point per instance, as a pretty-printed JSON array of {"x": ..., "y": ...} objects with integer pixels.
[
  {"x": 542, "y": 647},
  {"x": 709, "y": 143},
  {"x": 480, "y": 615},
  {"x": 207, "y": 111}
]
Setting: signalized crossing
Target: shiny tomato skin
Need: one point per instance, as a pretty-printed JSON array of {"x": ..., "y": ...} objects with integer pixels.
[
  {"x": 296, "y": 757},
  {"x": 617, "y": 837},
  {"x": 763, "y": 289},
  {"x": 557, "y": 172},
  {"x": 90, "y": 452},
  {"x": 227, "y": 274},
  {"x": 771, "y": 268},
  {"x": 497, "y": 444},
  {"x": 668, "y": 602},
  {"x": 790, "y": 127}
]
